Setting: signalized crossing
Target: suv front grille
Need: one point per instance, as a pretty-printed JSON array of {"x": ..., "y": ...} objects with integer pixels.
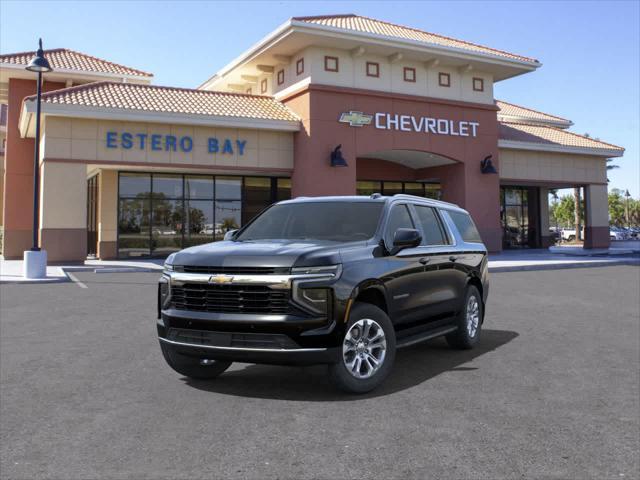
[
  {"x": 233, "y": 270},
  {"x": 202, "y": 297},
  {"x": 226, "y": 339}
]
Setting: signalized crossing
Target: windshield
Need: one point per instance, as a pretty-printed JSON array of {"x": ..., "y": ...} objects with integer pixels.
[{"x": 332, "y": 221}]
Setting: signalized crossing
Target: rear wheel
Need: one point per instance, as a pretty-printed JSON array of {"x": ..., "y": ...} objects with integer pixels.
[
  {"x": 192, "y": 367},
  {"x": 469, "y": 321},
  {"x": 368, "y": 350}
]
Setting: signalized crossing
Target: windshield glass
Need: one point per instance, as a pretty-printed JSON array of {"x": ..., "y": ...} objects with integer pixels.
[{"x": 332, "y": 221}]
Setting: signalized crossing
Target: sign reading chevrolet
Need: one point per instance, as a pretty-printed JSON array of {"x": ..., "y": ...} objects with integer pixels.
[{"x": 411, "y": 123}]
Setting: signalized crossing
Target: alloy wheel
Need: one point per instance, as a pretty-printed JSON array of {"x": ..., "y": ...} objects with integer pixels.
[
  {"x": 364, "y": 348},
  {"x": 473, "y": 316}
]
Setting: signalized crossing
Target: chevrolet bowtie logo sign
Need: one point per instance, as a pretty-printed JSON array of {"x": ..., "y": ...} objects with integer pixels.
[
  {"x": 221, "y": 279},
  {"x": 356, "y": 119}
]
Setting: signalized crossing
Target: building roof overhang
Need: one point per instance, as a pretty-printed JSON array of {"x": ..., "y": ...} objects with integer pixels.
[{"x": 295, "y": 35}]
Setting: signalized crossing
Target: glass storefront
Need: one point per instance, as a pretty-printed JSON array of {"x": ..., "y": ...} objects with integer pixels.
[
  {"x": 519, "y": 217},
  {"x": 162, "y": 213},
  {"x": 420, "y": 189}
]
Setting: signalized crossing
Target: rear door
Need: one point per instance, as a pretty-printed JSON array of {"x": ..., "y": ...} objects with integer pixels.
[{"x": 439, "y": 289}]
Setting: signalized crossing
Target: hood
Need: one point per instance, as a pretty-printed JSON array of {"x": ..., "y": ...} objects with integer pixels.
[{"x": 266, "y": 253}]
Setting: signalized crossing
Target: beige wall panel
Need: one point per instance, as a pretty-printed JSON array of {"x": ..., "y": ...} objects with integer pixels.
[
  {"x": 57, "y": 147},
  {"x": 549, "y": 166},
  {"x": 108, "y": 206},
  {"x": 58, "y": 127},
  {"x": 268, "y": 140},
  {"x": 63, "y": 196},
  {"x": 86, "y": 129},
  {"x": 83, "y": 149},
  {"x": 249, "y": 159}
]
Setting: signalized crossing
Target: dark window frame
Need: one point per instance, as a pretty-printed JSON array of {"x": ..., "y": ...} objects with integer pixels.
[
  {"x": 405, "y": 71},
  {"x": 444, "y": 79},
  {"x": 480, "y": 81},
  {"x": 327, "y": 59},
  {"x": 376, "y": 65},
  {"x": 300, "y": 66},
  {"x": 264, "y": 85},
  {"x": 280, "y": 77}
]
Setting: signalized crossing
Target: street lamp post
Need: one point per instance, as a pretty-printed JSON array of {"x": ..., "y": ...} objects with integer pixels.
[
  {"x": 35, "y": 260},
  {"x": 626, "y": 208}
]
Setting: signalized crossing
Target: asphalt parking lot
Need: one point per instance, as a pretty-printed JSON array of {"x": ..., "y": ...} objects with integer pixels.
[{"x": 551, "y": 392}]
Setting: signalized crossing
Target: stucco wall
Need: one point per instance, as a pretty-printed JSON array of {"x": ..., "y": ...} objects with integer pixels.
[
  {"x": 352, "y": 73},
  {"x": 551, "y": 167},
  {"x": 85, "y": 140}
]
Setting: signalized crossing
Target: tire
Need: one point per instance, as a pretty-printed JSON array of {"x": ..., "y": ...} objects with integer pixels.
[
  {"x": 469, "y": 321},
  {"x": 571, "y": 238},
  {"x": 356, "y": 370},
  {"x": 191, "y": 366}
]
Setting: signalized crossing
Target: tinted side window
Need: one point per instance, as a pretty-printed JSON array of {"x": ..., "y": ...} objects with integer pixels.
[
  {"x": 399, "y": 217},
  {"x": 466, "y": 227},
  {"x": 431, "y": 227}
]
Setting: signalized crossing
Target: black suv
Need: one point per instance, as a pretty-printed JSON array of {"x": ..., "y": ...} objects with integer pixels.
[{"x": 343, "y": 281}]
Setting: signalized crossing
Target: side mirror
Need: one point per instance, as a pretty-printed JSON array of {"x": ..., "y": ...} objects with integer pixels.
[
  {"x": 230, "y": 234},
  {"x": 406, "y": 238}
]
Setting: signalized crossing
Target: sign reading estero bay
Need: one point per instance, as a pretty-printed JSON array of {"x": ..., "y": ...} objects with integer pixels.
[{"x": 411, "y": 123}]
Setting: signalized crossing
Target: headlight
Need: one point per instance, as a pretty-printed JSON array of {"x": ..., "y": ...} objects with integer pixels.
[
  {"x": 314, "y": 299},
  {"x": 168, "y": 263},
  {"x": 329, "y": 270}
]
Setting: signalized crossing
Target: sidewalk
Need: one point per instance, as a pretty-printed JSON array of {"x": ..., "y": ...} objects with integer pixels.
[{"x": 507, "y": 261}]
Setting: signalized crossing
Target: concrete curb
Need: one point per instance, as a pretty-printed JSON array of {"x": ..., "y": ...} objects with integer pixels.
[{"x": 563, "y": 266}]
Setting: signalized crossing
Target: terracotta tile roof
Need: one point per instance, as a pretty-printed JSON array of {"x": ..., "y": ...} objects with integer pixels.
[
  {"x": 370, "y": 25},
  {"x": 517, "y": 132},
  {"x": 65, "y": 59},
  {"x": 152, "y": 98},
  {"x": 513, "y": 110}
]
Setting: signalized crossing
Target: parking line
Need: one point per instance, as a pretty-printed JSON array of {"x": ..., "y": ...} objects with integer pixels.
[{"x": 75, "y": 280}]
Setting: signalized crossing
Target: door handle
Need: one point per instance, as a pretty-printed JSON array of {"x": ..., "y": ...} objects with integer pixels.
[
  {"x": 424, "y": 260},
  {"x": 453, "y": 258}
]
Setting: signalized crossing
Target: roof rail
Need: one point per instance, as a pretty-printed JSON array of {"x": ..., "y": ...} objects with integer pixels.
[
  {"x": 415, "y": 197},
  {"x": 375, "y": 195}
]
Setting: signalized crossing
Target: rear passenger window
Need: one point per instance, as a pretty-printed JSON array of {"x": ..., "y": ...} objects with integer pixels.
[
  {"x": 466, "y": 227},
  {"x": 431, "y": 227},
  {"x": 398, "y": 218}
]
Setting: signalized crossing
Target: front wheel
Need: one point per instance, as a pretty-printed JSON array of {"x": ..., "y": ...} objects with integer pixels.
[
  {"x": 368, "y": 350},
  {"x": 469, "y": 321},
  {"x": 192, "y": 367}
]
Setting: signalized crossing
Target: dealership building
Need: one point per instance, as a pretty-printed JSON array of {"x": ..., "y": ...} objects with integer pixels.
[{"x": 331, "y": 105}]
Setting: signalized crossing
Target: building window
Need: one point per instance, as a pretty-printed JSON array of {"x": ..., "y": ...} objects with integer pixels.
[
  {"x": 263, "y": 86},
  {"x": 478, "y": 84},
  {"x": 248, "y": 91},
  {"x": 330, "y": 64},
  {"x": 444, "y": 79},
  {"x": 409, "y": 74},
  {"x": 160, "y": 213},
  {"x": 280, "y": 77},
  {"x": 373, "y": 69},
  {"x": 300, "y": 66},
  {"x": 420, "y": 189}
]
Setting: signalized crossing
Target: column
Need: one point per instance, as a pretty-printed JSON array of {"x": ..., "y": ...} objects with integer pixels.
[
  {"x": 596, "y": 216},
  {"x": 107, "y": 214},
  {"x": 546, "y": 240},
  {"x": 63, "y": 211}
]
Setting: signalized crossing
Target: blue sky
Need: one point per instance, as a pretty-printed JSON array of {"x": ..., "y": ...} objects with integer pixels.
[{"x": 589, "y": 50}]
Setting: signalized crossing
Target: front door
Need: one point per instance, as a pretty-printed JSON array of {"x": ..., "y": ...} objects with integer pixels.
[{"x": 92, "y": 216}]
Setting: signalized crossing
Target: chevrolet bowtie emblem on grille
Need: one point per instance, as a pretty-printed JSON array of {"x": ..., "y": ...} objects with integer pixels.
[
  {"x": 356, "y": 119},
  {"x": 221, "y": 279}
]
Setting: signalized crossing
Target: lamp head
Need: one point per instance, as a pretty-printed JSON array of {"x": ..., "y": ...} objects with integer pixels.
[
  {"x": 337, "y": 160},
  {"x": 39, "y": 62}
]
